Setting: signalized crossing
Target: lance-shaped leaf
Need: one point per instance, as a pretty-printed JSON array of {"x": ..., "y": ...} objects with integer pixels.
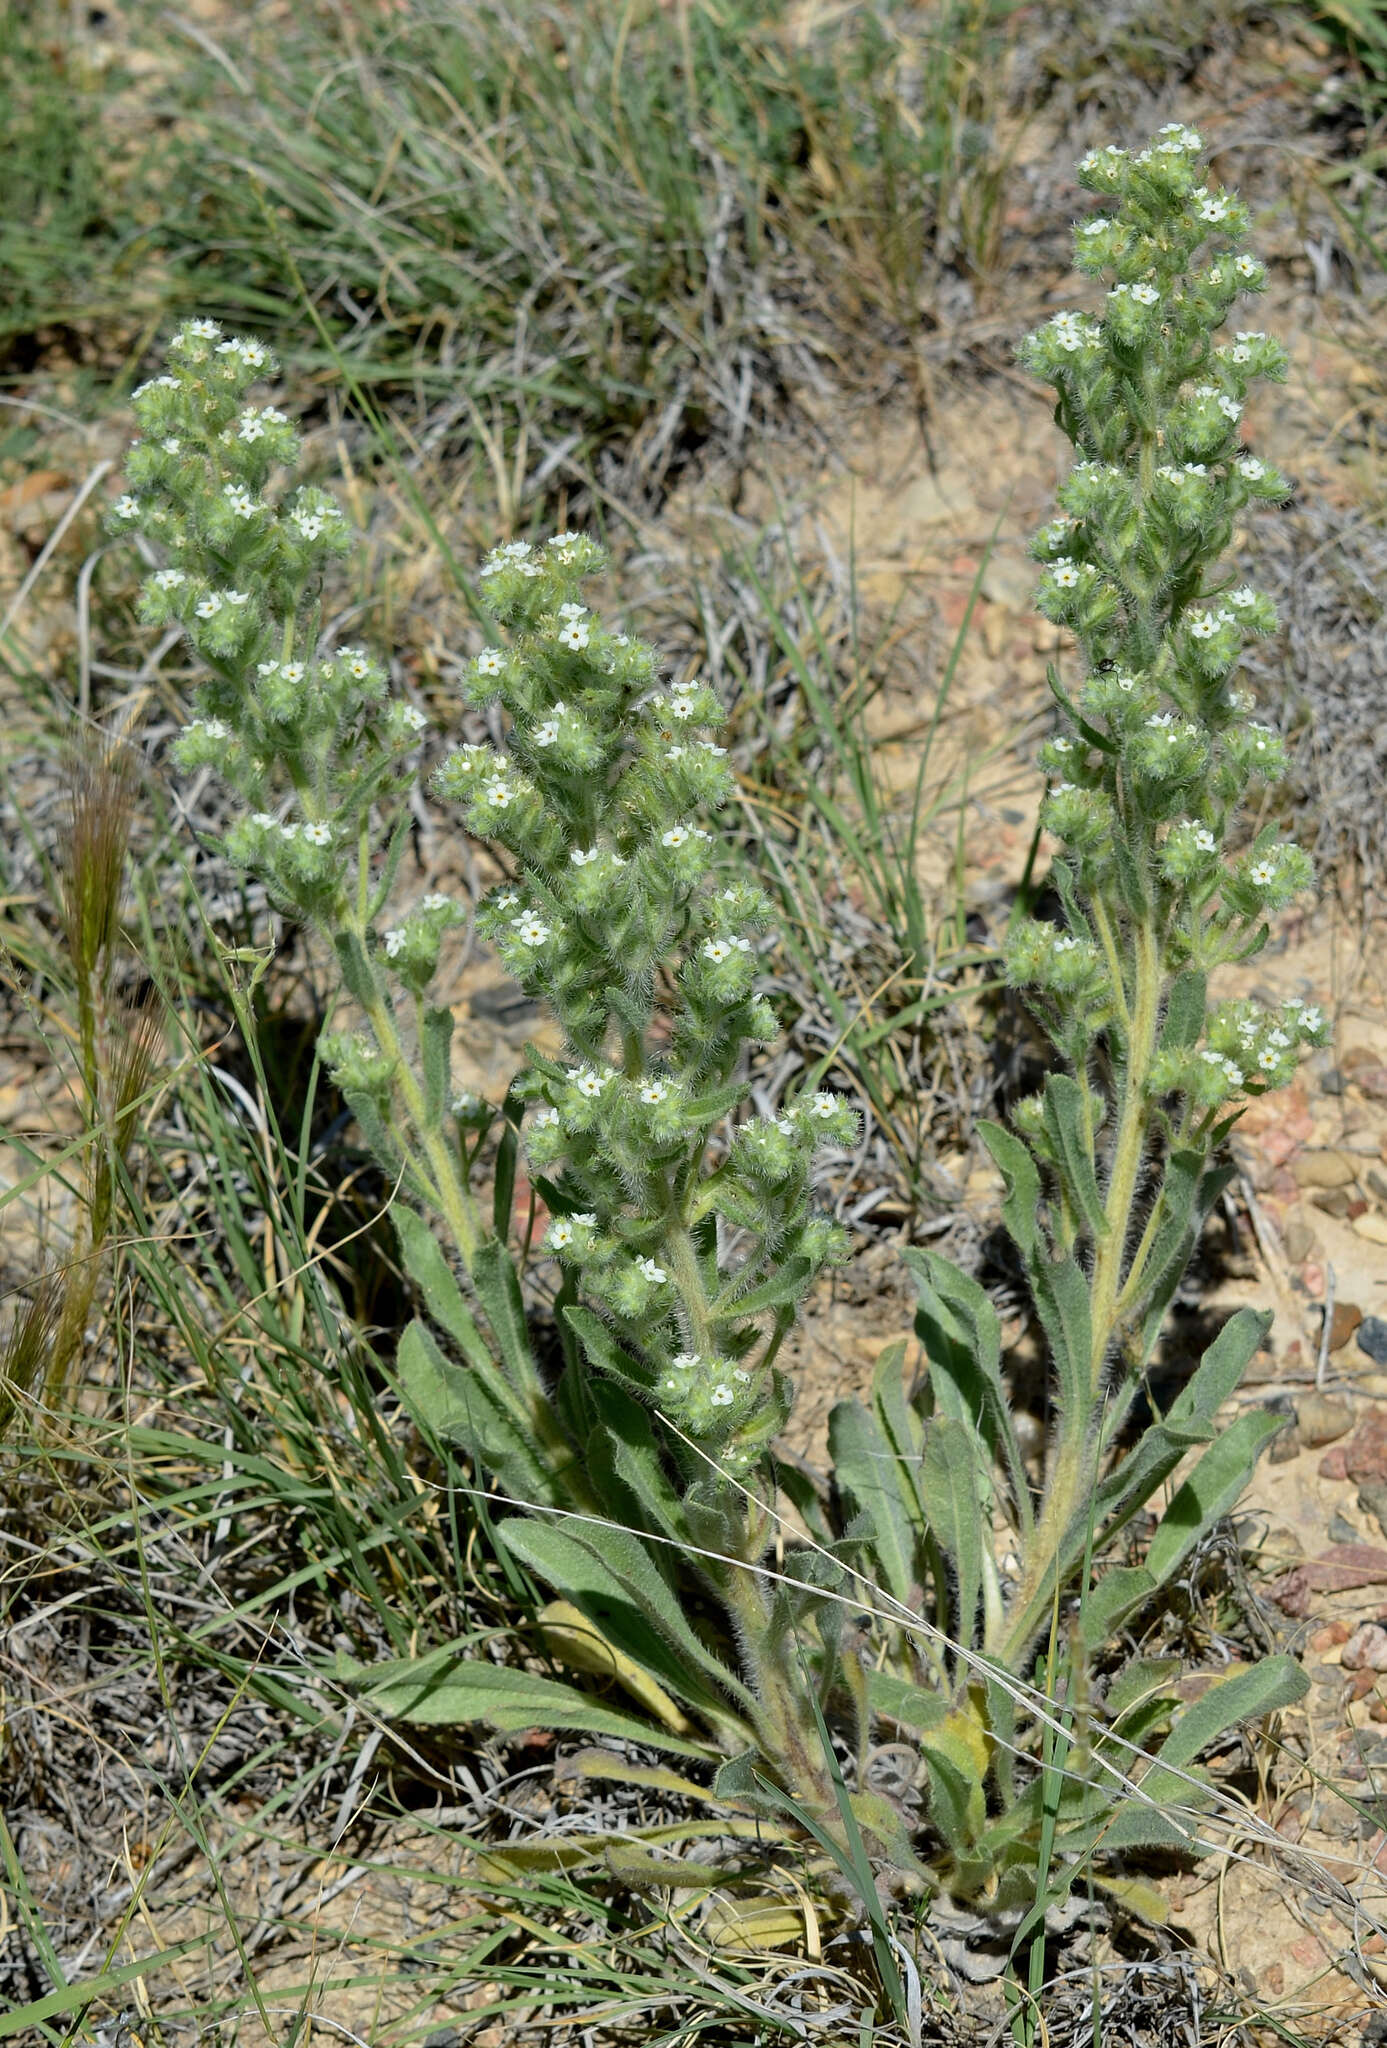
[
  {"x": 954, "y": 1492},
  {"x": 963, "y": 1341},
  {"x": 1021, "y": 1206},
  {"x": 866, "y": 1470},
  {"x": 1066, "y": 1125},
  {"x": 462, "y": 1406}
]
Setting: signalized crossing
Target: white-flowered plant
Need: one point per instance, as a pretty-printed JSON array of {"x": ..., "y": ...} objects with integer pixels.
[{"x": 680, "y": 1225}]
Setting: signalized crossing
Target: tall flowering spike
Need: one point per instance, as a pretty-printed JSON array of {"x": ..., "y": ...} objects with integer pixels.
[
  {"x": 617, "y": 919},
  {"x": 1160, "y": 747},
  {"x": 305, "y": 736}
]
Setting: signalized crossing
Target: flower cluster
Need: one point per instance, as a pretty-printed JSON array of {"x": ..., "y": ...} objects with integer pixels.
[
  {"x": 305, "y": 734},
  {"x": 1160, "y": 749},
  {"x": 615, "y": 916}
]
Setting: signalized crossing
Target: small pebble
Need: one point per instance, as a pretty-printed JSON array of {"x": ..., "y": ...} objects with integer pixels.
[
  {"x": 1328, "y": 1637},
  {"x": 1320, "y": 1420},
  {"x": 1298, "y": 1238},
  {"x": 1324, "y": 1169},
  {"x": 1372, "y": 1226},
  {"x": 1346, "y": 1319},
  {"x": 1366, "y": 1648},
  {"x": 1372, "y": 1338},
  {"x": 1341, "y": 1530}
]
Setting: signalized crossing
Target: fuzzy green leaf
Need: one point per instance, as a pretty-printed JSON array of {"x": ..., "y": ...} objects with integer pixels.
[
  {"x": 1212, "y": 1488},
  {"x": 953, "y": 1488},
  {"x": 1021, "y": 1208},
  {"x": 432, "y": 1275},
  {"x": 498, "y": 1290},
  {"x": 1066, "y": 1123},
  {"x": 456, "y": 1404},
  {"x": 1184, "y": 1016},
  {"x": 963, "y": 1340},
  {"x": 435, "y": 1048},
  {"x": 866, "y": 1470}
]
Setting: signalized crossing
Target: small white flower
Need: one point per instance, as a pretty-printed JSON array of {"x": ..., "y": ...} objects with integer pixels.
[
  {"x": 208, "y": 607},
  {"x": 1311, "y": 1016},
  {"x": 1247, "y": 266},
  {"x": 589, "y": 1083},
  {"x": 548, "y": 1119},
  {"x": 560, "y": 1233},
  {"x": 238, "y": 597},
  {"x": 1062, "y": 745},
  {"x": 531, "y": 931},
  {"x": 1093, "y": 227},
  {"x": 681, "y": 707},
  {"x": 565, "y": 540},
  {"x": 498, "y": 793},
  {"x": 823, "y": 1105},
  {"x": 264, "y": 821},
  {"x": 586, "y": 1218},
  {"x": 318, "y": 835},
  {"x": 686, "y": 1361},
  {"x": 656, "y": 1274},
  {"x": 489, "y": 662},
  {"x": 288, "y": 831},
  {"x": 654, "y": 1091},
  {"x": 203, "y": 330},
  {"x": 1203, "y": 625},
  {"x": 413, "y": 720},
  {"x": 1278, "y": 1040},
  {"x": 545, "y": 735},
  {"x": 1205, "y": 840},
  {"x": 507, "y": 900},
  {"x": 437, "y": 901},
  {"x": 173, "y": 446},
  {"x": 584, "y": 856},
  {"x": 1252, "y": 468},
  {"x": 1160, "y": 721},
  {"x": 1263, "y": 872},
  {"x": 575, "y": 636},
  {"x": 394, "y": 942},
  {"x": 293, "y": 671},
  {"x": 710, "y": 747},
  {"x": 252, "y": 427},
  {"x": 722, "y": 1396},
  {"x": 1195, "y": 469},
  {"x": 684, "y": 689},
  {"x": 127, "y": 507},
  {"x": 572, "y": 611},
  {"x": 1066, "y": 575},
  {"x": 1239, "y": 353},
  {"x": 1145, "y": 294},
  {"x": 1230, "y": 408},
  {"x": 169, "y": 579},
  {"x": 515, "y": 550},
  {"x": 717, "y": 950},
  {"x": 677, "y": 835},
  {"x": 1066, "y": 943},
  {"x": 1243, "y": 596},
  {"x": 1213, "y": 210},
  {"x": 309, "y": 524}
]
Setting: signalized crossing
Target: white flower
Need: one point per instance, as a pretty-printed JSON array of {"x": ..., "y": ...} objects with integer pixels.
[
  {"x": 677, "y": 835},
  {"x": 560, "y": 1233},
  {"x": 684, "y": 689},
  {"x": 412, "y": 719},
  {"x": 1066, "y": 943},
  {"x": 722, "y": 1396},
  {"x": 1065, "y": 575},
  {"x": 127, "y": 507},
  {"x": 1311, "y": 1016},
  {"x": 709, "y": 747},
  {"x": 208, "y": 607},
  {"x": 586, "y": 1218},
  {"x": 1205, "y": 840},
  {"x": 1160, "y": 720},
  {"x": 654, "y": 1091},
  {"x": 1062, "y": 745},
  {"x": 211, "y": 728},
  {"x": 1251, "y": 468},
  {"x": 288, "y": 831},
  {"x": 309, "y": 524},
  {"x": 1239, "y": 353},
  {"x": 546, "y": 734},
  {"x": 565, "y": 540},
  {"x": 203, "y": 330},
  {"x": 238, "y": 597},
  {"x": 252, "y": 427},
  {"x": 575, "y": 636},
  {"x": 1213, "y": 209},
  {"x": 1093, "y": 227},
  {"x": 1263, "y": 872},
  {"x": 717, "y": 950},
  {"x": 515, "y": 550},
  {"x": 394, "y": 942},
  {"x": 173, "y": 446},
  {"x": 681, "y": 707},
  {"x": 1195, "y": 469},
  {"x": 572, "y": 611},
  {"x": 437, "y": 901},
  {"x": 652, "y": 1272},
  {"x": 1278, "y": 1040},
  {"x": 531, "y": 931},
  {"x": 264, "y": 820},
  {"x": 498, "y": 793},
  {"x": 318, "y": 835},
  {"x": 590, "y": 1084},
  {"x": 1230, "y": 408},
  {"x": 169, "y": 579},
  {"x": 1203, "y": 625},
  {"x": 675, "y": 753},
  {"x": 507, "y": 900},
  {"x": 489, "y": 662},
  {"x": 686, "y": 1361},
  {"x": 1247, "y": 266},
  {"x": 1243, "y": 596},
  {"x": 293, "y": 671},
  {"x": 548, "y": 1119},
  {"x": 1145, "y": 294},
  {"x": 583, "y": 857},
  {"x": 823, "y": 1105}
]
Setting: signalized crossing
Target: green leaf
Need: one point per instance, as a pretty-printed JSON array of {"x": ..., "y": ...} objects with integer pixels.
[
  {"x": 355, "y": 969},
  {"x": 611, "y": 1575},
  {"x": 865, "y": 1468},
  {"x": 910, "y": 1704},
  {"x": 784, "y": 1287},
  {"x": 1108, "y": 1602},
  {"x": 1137, "y": 1681},
  {"x": 457, "y": 1404},
  {"x": 454, "y": 1687},
  {"x": 498, "y": 1290},
  {"x": 1021, "y": 1208},
  {"x": 602, "y": 1349},
  {"x": 1185, "y": 1010},
  {"x": 953, "y": 1490},
  {"x": 1212, "y": 1488},
  {"x": 1066, "y": 1122},
  {"x": 624, "y": 1446},
  {"x": 503, "y": 1194},
  {"x": 432, "y": 1275},
  {"x": 1062, "y": 1303},
  {"x": 1263, "y": 1688},
  {"x": 958, "y": 1327},
  {"x": 435, "y": 1048}
]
